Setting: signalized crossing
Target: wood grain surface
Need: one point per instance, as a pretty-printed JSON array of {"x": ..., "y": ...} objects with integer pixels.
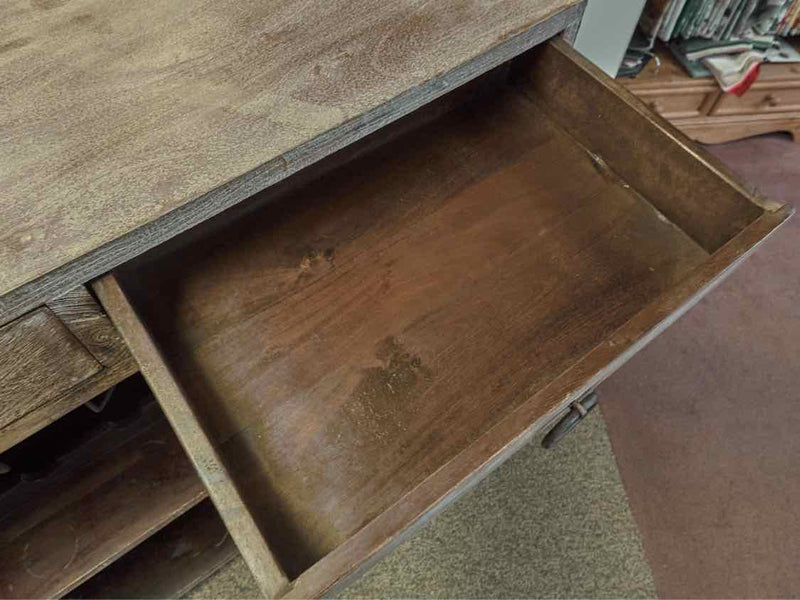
[
  {"x": 641, "y": 147},
  {"x": 101, "y": 501},
  {"x": 362, "y": 345},
  {"x": 168, "y": 564},
  {"x": 127, "y": 123},
  {"x": 39, "y": 360},
  {"x": 84, "y": 317},
  {"x": 189, "y": 426},
  {"x": 357, "y": 333},
  {"x": 717, "y": 130},
  {"x": 386, "y": 531},
  {"x": 55, "y": 359}
]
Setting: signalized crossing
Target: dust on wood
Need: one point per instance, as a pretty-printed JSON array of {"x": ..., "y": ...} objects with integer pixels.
[{"x": 388, "y": 392}]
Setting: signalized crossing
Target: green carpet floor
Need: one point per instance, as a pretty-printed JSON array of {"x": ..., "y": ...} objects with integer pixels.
[{"x": 546, "y": 524}]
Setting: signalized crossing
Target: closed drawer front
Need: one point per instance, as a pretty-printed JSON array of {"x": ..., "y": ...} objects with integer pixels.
[
  {"x": 53, "y": 359},
  {"x": 779, "y": 72},
  {"x": 39, "y": 360},
  {"x": 674, "y": 105},
  {"x": 759, "y": 100},
  {"x": 359, "y": 344}
]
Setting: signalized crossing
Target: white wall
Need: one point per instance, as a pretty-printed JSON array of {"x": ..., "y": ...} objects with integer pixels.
[{"x": 605, "y": 31}]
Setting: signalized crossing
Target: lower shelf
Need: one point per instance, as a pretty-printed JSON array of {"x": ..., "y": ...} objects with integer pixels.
[
  {"x": 168, "y": 564},
  {"x": 62, "y": 521}
]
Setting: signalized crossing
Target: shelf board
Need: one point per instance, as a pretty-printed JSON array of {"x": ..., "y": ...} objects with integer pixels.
[
  {"x": 168, "y": 564},
  {"x": 101, "y": 500}
]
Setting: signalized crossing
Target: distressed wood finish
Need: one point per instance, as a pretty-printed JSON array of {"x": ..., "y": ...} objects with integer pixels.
[
  {"x": 39, "y": 361},
  {"x": 168, "y": 564},
  {"x": 360, "y": 346},
  {"x": 128, "y": 123},
  {"x": 641, "y": 147},
  {"x": 189, "y": 427},
  {"x": 54, "y": 359},
  {"x": 570, "y": 33},
  {"x": 102, "y": 500},
  {"x": 84, "y": 317}
]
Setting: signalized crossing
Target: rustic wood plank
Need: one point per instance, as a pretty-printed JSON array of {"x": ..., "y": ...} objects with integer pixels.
[
  {"x": 39, "y": 361},
  {"x": 189, "y": 428},
  {"x": 77, "y": 318},
  {"x": 85, "y": 318},
  {"x": 570, "y": 33},
  {"x": 31, "y": 422},
  {"x": 129, "y": 124},
  {"x": 168, "y": 564},
  {"x": 102, "y": 500}
]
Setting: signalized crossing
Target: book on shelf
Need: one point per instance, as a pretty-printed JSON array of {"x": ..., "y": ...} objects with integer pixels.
[
  {"x": 735, "y": 73},
  {"x": 720, "y": 20},
  {"x": 697, "y": 48}
]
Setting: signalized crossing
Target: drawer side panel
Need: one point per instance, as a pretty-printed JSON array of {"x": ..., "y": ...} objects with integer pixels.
[{"x": 689, "y": 187}]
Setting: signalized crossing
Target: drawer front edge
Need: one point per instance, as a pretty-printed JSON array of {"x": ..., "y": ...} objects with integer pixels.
[{"x": 60, "y": 355}]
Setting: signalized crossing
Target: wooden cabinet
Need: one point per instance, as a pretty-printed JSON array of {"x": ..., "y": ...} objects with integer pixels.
[
  {"x": 41, "y": 360},
  {"x": 54, "y": 359},
  {"x": 358, "y": 271},
  {"x": 356, "y": 346},
  {"x": 703, "y": 112},
  {"x": 113, "y": 153},
  {"x": 168, "y": 564}
]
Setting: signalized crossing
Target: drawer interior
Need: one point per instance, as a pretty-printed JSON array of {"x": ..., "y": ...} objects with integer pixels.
[{"x": 356, "y": 344}]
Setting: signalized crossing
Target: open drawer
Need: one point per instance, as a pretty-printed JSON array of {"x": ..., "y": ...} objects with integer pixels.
[{"x": 355, "y": 346}]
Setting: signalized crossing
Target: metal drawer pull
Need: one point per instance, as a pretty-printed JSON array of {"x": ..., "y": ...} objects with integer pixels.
[
  {"x": 97, "y": 406},
  {"x": 578, "y": 410}
]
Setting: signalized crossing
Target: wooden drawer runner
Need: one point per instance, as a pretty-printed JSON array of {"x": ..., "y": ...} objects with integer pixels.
[
  {"x": 53, "y": 359},
  {"x": 354, "y": 347}
]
